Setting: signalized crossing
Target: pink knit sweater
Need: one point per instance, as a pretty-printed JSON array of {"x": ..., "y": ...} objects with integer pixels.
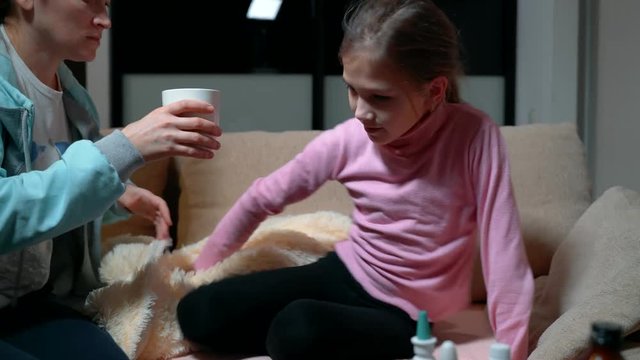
[{"x": 420, "y": 204}]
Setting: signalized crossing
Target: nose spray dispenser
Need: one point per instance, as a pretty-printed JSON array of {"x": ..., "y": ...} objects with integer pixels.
[{"x": 423, "y": 343}]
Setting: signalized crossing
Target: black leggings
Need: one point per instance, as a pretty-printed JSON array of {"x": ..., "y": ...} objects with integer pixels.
[
  {"x": 315, "y": 311},
  {"x": 39, "y": 328}
]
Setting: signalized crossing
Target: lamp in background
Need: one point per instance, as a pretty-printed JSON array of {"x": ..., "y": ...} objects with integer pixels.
[
  {"x": 263, "y": 9},
  {"x": 262, "y": 13}
]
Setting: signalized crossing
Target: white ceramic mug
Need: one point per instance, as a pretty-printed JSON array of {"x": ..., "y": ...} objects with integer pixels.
[{"x": 212, "y": 96}]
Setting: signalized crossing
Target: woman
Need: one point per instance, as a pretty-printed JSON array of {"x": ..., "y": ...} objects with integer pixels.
[{"x": 56, "y": 182}]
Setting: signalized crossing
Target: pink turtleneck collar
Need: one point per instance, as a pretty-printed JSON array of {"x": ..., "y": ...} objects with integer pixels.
[{"x": 417, "y": 139}]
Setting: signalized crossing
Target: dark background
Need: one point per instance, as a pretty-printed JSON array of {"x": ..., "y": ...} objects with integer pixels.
[{"x": 215, "y": 36}]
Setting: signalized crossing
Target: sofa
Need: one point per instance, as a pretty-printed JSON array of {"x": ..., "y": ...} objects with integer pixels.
[{"x": 585, "y": 254}]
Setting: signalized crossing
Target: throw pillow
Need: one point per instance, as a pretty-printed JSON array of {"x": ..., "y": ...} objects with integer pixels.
[{"x": 593, "y": 276}]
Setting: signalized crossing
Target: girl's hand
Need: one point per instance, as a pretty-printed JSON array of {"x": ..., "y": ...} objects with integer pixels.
[{"x": 144, "y": 203}]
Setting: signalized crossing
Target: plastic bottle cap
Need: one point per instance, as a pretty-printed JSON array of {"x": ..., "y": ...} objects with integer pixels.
[
  {"x": 607, "y": 334},
  {"x": 423, "y": 331},
  {"x": 499, "y": 351},
  {"x": 448, "y": 351}
]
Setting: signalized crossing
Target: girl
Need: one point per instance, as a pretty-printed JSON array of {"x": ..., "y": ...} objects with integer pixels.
[{"x": 426, "y": 174}]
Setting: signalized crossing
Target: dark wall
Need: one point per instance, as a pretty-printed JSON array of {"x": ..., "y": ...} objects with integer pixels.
[
  {"x": 218, "y": 29},
  {"x": 214, "y": 36}
]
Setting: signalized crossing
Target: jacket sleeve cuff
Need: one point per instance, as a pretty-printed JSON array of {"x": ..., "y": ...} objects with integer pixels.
[{"x": 121, "y": 153}]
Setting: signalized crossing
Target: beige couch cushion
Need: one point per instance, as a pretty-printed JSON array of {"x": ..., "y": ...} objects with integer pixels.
[
  {"x": 551, "y": 185},
  {"x": 594, "y": 276},
  {"x": 209, "y": 188}
]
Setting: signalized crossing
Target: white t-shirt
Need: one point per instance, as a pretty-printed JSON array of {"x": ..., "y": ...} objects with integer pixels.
[
  {"x": 50, "y": 128},
  {"x": 51, "y": 137}
]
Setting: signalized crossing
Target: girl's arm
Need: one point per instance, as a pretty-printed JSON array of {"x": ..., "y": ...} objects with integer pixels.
[
  {"x": 505, "y": 266},
  {"x": 293, "y": 182}
]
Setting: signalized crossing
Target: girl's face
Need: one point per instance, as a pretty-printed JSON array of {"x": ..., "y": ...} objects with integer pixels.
[
  {"x": 71, "y": 29},
  {"x": 383, "y": 98}
]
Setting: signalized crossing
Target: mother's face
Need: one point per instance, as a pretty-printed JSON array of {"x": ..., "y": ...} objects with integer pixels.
[{"x": 68, "y": 29}]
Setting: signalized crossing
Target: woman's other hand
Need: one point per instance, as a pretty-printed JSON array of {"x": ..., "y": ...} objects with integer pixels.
[{"x": 146, "y": 204}]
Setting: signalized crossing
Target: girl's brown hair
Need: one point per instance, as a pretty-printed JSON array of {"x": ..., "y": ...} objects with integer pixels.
[{"x": 413, "y": 34}]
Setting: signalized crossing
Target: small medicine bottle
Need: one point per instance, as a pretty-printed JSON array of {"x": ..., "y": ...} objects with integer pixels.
[{"x": 605, "y": 342}]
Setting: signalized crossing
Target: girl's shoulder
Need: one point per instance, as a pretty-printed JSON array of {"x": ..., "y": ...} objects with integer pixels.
[
  {"x": 346, "y": 139},
  {"x": 349, "y": 130},
  {"x": 347, "y": 134},
  {"x": 350, "y": 125}
]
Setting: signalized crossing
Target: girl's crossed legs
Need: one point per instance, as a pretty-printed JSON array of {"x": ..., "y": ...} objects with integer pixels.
[{"x": 315, "y": 311}]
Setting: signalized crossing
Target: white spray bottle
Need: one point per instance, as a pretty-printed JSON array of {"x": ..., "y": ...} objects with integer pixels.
[
  {"x": 423, "y": 343},
  {"x": 448, "y": 351},
  {"x": 499, "y": 351}
]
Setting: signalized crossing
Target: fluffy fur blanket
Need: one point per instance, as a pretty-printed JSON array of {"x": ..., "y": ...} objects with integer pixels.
[{"x": 145, "y": 282}]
